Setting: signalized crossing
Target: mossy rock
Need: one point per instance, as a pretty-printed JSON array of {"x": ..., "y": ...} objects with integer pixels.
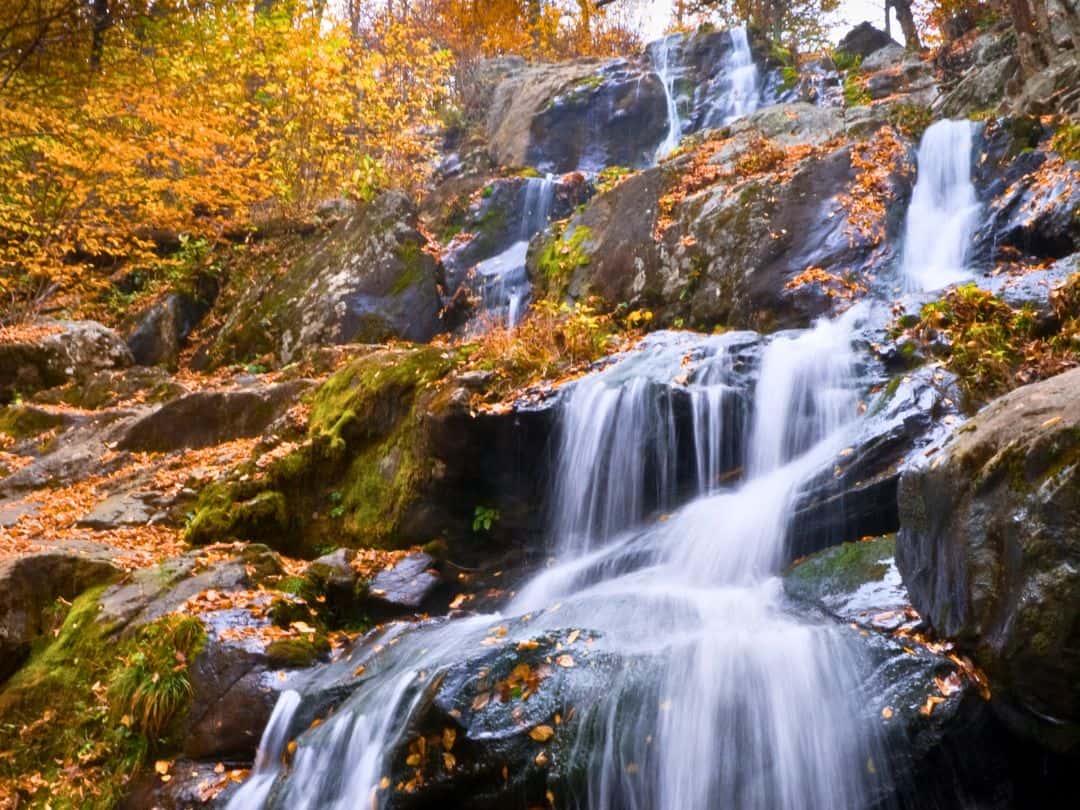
[
  {"x": 91, "y": 708},
  {"x": 352, "y": 482},
  {"x": 25, "y": 422},
  {"x": 298, "y": 653},
  {"x": 840, "y": 570}
]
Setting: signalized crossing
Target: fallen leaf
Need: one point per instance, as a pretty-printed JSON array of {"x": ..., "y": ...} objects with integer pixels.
[{"x": 542, "y": 733}]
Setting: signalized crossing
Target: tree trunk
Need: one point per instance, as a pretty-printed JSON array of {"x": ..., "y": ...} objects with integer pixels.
[
  {"x": 907, "y": 24},
  {"x": 1042, "y": 26},
  {"x": 100, "y": 20},
  {"x": 1031, "y": 58}
]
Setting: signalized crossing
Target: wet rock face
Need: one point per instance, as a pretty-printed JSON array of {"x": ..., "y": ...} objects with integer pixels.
[
  {"x": 856, "y": 497},
  {"x": 1032, "y": 196},
  {"x": 509, "y": 210},
  {"x": 578, "y": 115},
  {"x": 728, "y": 253},
  {"x": 368, "y": 280},
  {"x": 990, "y": 535},
  {"x": 30, "y": 586},
  {"x": 66, "y": 350},
  {"x": 952, "y": 754}
]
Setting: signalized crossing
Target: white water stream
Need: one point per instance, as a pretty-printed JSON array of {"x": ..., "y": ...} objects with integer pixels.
[
  {"x": 503, "y": 279},
  {"x": 753, "y": 707},
  {"x": 944, "y": 210}
]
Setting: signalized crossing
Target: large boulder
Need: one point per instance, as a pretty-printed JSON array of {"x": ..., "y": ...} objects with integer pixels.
[
  {"x": 235, "y": 413},
  {"x": 366, "y": 281},
  {"x": 48, "y": 353},
  {"x": 988, "y": 547},
  {"x": 726, "y": 233},
  {"x": 585, "y": 114},
  {"x": 863, "y": 40},
  {"x": 30, "y": 585}
]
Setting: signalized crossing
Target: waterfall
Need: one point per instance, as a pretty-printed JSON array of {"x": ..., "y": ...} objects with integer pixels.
[
  {"x": 749, "y": 705},
  {"x": 503, "y": 278},
  {"x": 944, "y": 210},
  {"x": 740, "y": 91},
  {"x": 667, "y": 73}
]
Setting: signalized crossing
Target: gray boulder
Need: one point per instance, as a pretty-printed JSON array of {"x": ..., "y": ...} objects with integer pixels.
[
  {"x": 368, "y": 280},
  {"x": 585, "y": 114},
  {"x": 864, "y": 39},
  {"x": 726, "y": 253},
  {"x": 160, "y": 331},
  {"x": 66, "y": 350},
  {"x": 988, "y": 547},
  {"x": 204, "y": 418}
]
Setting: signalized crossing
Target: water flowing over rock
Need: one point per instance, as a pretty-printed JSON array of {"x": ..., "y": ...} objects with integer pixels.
[
  {"x": 681, "y": 617},
  {"x": 944, "y": 210}
]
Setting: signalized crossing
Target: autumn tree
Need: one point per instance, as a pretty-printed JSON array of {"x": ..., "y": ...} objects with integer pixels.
[
  {"x": 799, "y": 23},
  {"x": 120, "y": 122}
]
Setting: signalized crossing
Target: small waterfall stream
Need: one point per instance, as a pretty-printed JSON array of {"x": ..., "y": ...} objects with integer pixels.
[
  {"x": 742, "y": 83},
  {"x": 667, "y": 72},
  {"x": 503, "y": 280},
  {"x": 751, "y": 706},
  {"x": 944, "y": 210}
]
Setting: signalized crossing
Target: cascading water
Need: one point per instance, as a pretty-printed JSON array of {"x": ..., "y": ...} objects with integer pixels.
[
  {"x": 667, "y": 72},
  {"x": 748, "y": 705},
  {"x": 503, "y": 279},
  {"x": 741, "y": 88},
  {"x": 944, "y": 210}
]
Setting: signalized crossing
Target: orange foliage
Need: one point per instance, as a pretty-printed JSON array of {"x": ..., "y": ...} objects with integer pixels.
[{"x": 199, "y": 121}]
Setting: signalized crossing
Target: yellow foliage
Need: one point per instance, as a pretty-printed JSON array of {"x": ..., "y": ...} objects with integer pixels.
[{"x": 200, "y": 121}]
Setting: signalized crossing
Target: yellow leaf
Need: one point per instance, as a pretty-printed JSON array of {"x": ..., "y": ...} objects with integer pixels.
[{"x": 542, "y": 733}]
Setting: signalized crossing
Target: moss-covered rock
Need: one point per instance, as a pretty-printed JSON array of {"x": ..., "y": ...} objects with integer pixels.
[
  {"x": 353, "y": 481},
  {"x": 298, "y": 653},
  {"x": 840, "y": 570},
  {"x": 91, "y": 708},
  {"x": 989, "y": 539},
  {"x": 25, "y": 422}
]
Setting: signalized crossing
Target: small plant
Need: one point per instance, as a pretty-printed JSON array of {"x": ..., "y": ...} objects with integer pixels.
[
  {"x": 153, "y": 686},
  {"x": 338, "y": 510},
  {"x": 789, "y": 77},
  {"x": 911, "y": 119},
  {"x": 484, "y": 517},
  {"x": 845, "y": 61},
  {"x": 1066, "y": 140},
  {"x": 855, "y": 93}
]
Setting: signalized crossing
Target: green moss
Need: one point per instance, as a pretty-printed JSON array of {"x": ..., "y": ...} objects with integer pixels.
[
  {"x": 855, "y": 94},
  {"x": 840, "y": 569},
  {"x": 1067, "y": 140},
  {"x": 561, "y": 256},
  {"x": 789, "y": 77},
  {"x": 90, "y": 709},
  {"x": 24, "y": 422},
  {"x": 845, "y": 61},
  {"x": 364, "y": 446},
  {"x": 412, "y": 263},
  {"x": 298, "y": 653},
  {"x": 781, "y": 55},
  {"x": 911, "y": 119}
]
